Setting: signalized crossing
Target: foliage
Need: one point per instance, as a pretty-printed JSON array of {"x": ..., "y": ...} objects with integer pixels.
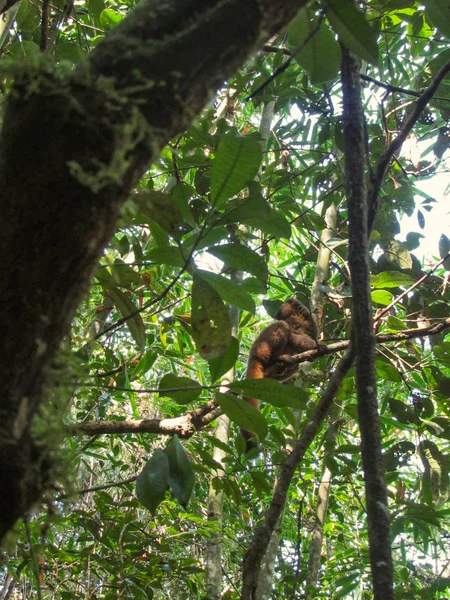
[{"x": 153, "y": 335}]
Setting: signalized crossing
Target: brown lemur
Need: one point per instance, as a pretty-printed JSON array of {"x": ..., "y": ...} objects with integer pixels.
[{"x": 293, "y": 331}]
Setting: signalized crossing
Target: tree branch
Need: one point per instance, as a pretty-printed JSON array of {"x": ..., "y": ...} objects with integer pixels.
[
  {"x": 362, "y": 331},
  {"x": 263, "y": 533},
  {"x": 385, "y": 158}
]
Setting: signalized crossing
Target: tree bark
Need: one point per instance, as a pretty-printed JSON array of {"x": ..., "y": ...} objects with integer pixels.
[
  {"x": 363, "y": 334},
  {"x": 71, "y": 150}
]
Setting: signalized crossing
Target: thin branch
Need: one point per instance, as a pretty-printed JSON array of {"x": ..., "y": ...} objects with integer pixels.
[
  {"x": 399, "y": 336},
  {"x": 396, "y": 143},
  {"x": 261, "y": 538},
  {"x": 43, "y": 46},
  {"x": 98, "y": 488},
  {"x": 389, "y": 87},
  {"x": 186, "y": 425},
  {"x": 410, "y": 289},
  {"x": 286, "y": 64}
]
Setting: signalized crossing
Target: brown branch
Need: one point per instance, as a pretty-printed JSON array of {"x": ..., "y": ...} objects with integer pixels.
[
  {"x": 261, "y": 538},
  {"x": 411, "y": 288},
  {"x": 184, "y": 426},
  {"x": 45, "y": 20},
  {"x": 400, "y": 336},
  {"x": 396, "y": 143},
  {"x": 286, "y": 64},
  {"x": 390, "y": 88},
  {"x": 362, "y": 332}
]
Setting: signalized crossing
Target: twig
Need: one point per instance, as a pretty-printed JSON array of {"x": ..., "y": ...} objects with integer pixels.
[
  {"x": 397, "y": 142},
  {"x": 286, "y": 64},
  {"x": 416, "y": 284}
]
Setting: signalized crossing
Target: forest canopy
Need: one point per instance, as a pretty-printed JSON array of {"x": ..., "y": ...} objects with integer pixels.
[{"x": 171, "y": 174}]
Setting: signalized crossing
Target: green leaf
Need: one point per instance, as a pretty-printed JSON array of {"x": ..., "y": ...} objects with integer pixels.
[
  {"x": 243, "y": 414},
  {"x": 123, "y": 275},
  {"x": 436, "y": 468},
  {"x": 188, "y": 390},
  {"x": 25, "y": 51},
  {"x": 252, "y": 207},
  {"x": 181, "y": 475},
  {"x": 321, "y": 56},
  {"x": 28, "y": 17},
  {"x": 110, "y": 18},
  {"x": 166, "y": 255},
  {"x": 153, "y": 481},
  {"x": 397, "y": 254},
  {"x": 395, "y": 324},
  {"x": 222, "y": 364},
  {"x": 126, "y": 307},
  {"x": 182, "y": 193},
  {"x": 228, "y": 290},
  {"x": 391, "y": 279},
  {"x": 214, "y": 235},
  {"x": 163, "y": 210},
  {"x": 145, "y": 364},
  {"x": 404, "y": 413},
  {"x": 96, "y": 8},
  {"x": 276, "y": 224},
  {"x": 438, "y": 14},
  {"x": 413, "y": 240},
  {"x": 211, "y": 324},
  {"x": 439, "y": 426},
  {"x": 103, "y": 276},
  {"x": 381, "y": 297},
  {"x": 237, "y": 256},
  {"x": 272, "y": 392},
  {"x": 387, "y": 372},
  {"x": 237, "y": 161},
  {"x": 353, "y": 29},
  {"x": 257, "y": 212}
]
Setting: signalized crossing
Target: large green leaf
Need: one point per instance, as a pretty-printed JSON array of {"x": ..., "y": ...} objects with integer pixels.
[
  {"x": 272, "y": 392},
  {"x": 153, "y": 482},
  {"x": 353, "y": 29},
  {"x": 222, "y": 364},
  {"x": 321, "y": 56},
  {"x": 238, "y": 256},
  {"x": 181, "y": 475},
  {"x": 237, "y": 161},
  {"x": 123, "y": 275},
  {"x": 275, "y": 224},
  {"x": 391, "y": 279},
  {"x": 228, "y": 290},
  {"x": 381, "y": 297},
  {"x": 166, "y": 255},
  {"x": 252, "y": 207},
  {"x": 211, "y": 324},
  {"x": 436, "y": 475},
  {"x": 164, "y": 210},
  {"x": 243, "y": 414},
  {"x": 438, "y": 14},
  {"x": 126, "y": 307},
  {"x": 182, "y": 389}
]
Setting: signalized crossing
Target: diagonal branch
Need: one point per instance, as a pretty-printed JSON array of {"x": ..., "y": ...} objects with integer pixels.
[{"x": 397, "y": 142}]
